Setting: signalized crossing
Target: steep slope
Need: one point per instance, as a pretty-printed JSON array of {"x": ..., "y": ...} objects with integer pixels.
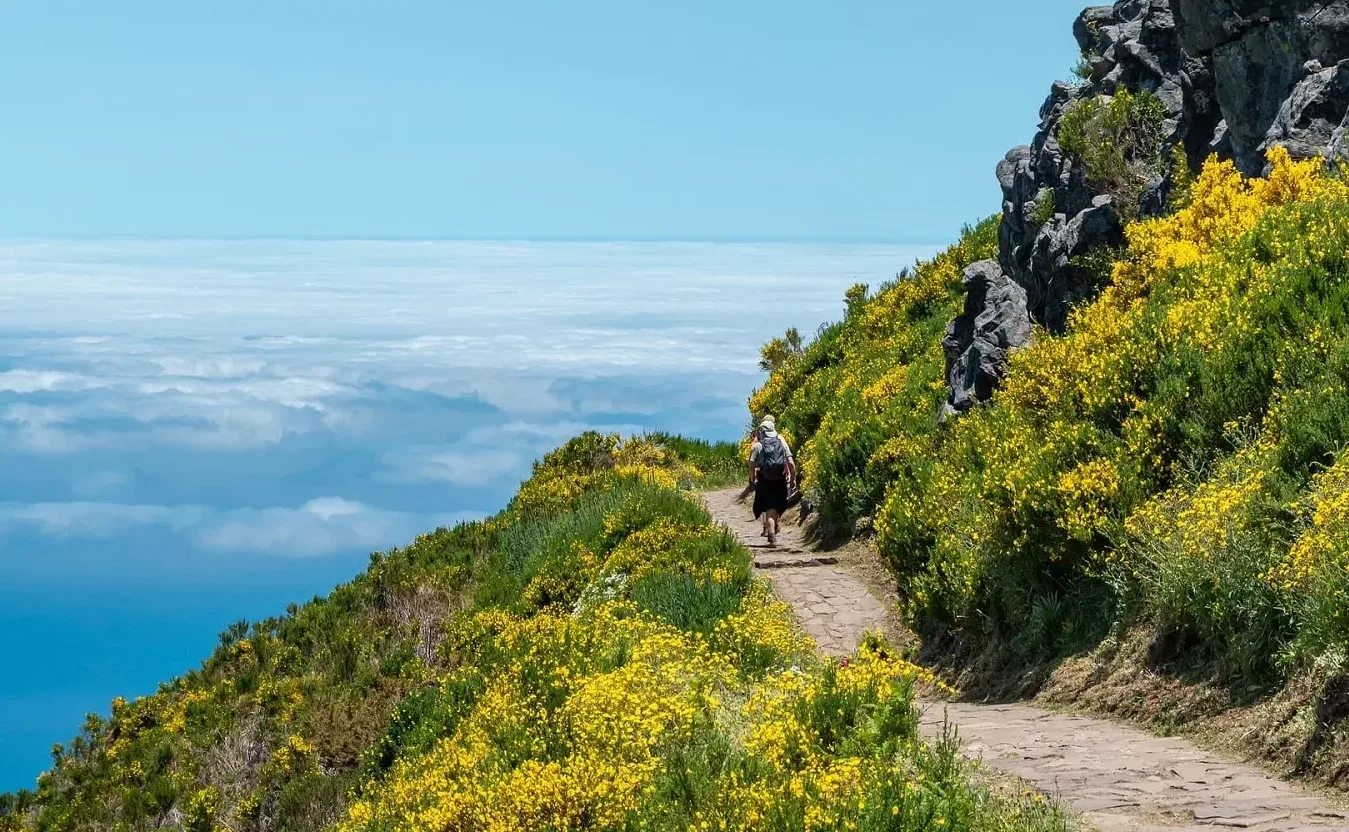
[
  {"x": 598, "y": 656},
  {"x": 1173, "y": 459}
]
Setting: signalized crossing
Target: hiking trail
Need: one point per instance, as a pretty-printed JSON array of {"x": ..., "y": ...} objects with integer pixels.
[{"x": 1120, "y": 778}]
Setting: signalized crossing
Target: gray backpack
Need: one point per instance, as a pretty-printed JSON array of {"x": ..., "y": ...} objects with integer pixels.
[{"x": 772, "y": 458}]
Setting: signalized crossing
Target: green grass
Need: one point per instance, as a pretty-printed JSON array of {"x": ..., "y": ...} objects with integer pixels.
[
  {"x": 689, "y": 603},
  {"x": 719, "y": 462}
]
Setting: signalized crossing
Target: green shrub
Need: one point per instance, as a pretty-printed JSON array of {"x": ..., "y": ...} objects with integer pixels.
[
  {"x": 1044, "y": 207},
  {"x": 876, "y": 375},
  {"x": 1119, "y": 140},
  {"x": 719, "y": 463},
  {"x": 1159, "y": 461},
  {"x": 290, "y": 716},
  {"x": 780, "y": 352}
]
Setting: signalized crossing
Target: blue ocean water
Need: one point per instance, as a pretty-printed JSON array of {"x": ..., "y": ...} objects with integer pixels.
[{"x": 192, "y": 432}]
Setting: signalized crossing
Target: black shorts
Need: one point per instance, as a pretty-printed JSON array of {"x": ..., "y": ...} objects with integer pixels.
[{"x": 770, "y": 495}]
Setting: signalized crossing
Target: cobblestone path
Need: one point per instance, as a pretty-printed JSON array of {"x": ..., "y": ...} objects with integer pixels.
[
  {"x": 832, "y": 606},
  {"x": 1120, "y": 778}
]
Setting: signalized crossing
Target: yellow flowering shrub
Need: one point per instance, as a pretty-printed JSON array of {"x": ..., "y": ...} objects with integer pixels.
[
  {"x": 675, "y": 693},
  {"x": 1144, "y": 462},
  {"x": 1324, "y": 541},
  {"x": 760, "y": 631},
  {"x": 598, "y": 656},
  {"x": 546, "y": 657},
  {"x": 875, "y": 377}
]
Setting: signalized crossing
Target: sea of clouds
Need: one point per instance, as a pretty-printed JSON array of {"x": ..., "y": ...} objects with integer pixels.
[
  {"x": 194, "y": 431},
  {"x": 303, "y": 398}
]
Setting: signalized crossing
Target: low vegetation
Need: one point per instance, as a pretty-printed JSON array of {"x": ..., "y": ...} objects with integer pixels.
[
  {"x": 1118, "y": 139},
  {"x": 596, "y": 657},
  {"x": 1175, "y": 459},
  {"x": 870, "y": 385}
]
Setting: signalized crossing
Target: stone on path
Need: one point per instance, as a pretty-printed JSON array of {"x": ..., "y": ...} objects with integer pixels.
[{"x": 1120, "y": 778}]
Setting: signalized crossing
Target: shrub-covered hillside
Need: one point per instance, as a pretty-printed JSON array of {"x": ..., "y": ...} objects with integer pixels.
[
  {"x": 1175, "y": 457},
  {"x": 596, "y": 657}
]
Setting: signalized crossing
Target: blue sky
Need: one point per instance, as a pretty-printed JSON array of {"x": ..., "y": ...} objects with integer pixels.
[{"x": 700, "y": 120}]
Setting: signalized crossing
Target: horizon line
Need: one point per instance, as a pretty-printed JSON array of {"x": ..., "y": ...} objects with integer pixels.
[{"x": 376, "y": 238}]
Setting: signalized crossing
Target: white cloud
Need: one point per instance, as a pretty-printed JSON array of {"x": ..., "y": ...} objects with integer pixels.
[
  {"x": 128, "y": 423},
  {"x": 462, "y": 466},
  {"x": 319, "y": 527},
  {"x": 235, "y": 363},
  {"x": 35, "y": 381},
  {"x": 326, "y": 508},
  {"x": 95, "y": 520},
  {"x": 196, "y": 366},
  {"x": 40, "y": 429},
  {"x": 402, "y": 370}
]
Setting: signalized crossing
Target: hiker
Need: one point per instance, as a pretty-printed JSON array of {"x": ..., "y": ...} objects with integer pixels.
[{"x": 771, "y": 473}]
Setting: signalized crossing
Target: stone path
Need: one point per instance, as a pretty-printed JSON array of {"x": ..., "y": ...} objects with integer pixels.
[
  {"x": 1124, "y": 780},
  {"x": 1121, "y": 779},
  {"x": 832, "y": 606}
]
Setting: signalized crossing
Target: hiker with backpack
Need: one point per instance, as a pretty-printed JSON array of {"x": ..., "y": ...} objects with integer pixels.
[{"x": 771, "y": 473}]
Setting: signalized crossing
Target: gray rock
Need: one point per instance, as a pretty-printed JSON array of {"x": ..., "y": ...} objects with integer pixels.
[
  {"x": 1008, "y": 167},
  {"x": 1091, "y": 227},
  {"x": 1055, "y": 247},
  {"x": 1259, "y": 51},
  {"x": 1088, "y": 25},
  {"x": 1138, "y": 48},
  {"x": 1156, "y": 196},
  {"x": 1254, "y": 75},
  {"x": 978, "y": 342},
  {"x": 1201, "y": 116},
  {"x": 1206, "y": 25},
  {"x": 1311, "y": 122},
  {"x": 1220, "y": 144}
]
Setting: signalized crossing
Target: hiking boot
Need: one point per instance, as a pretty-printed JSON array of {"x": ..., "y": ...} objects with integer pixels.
[{"x": 772, "y": 539}]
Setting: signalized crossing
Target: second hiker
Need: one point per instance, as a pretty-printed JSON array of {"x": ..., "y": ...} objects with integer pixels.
[{"x": 771, "y": 473}]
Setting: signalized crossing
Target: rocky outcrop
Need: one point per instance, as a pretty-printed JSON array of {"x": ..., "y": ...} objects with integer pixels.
[
  {"x": 1312, "y": 119},
  {"x": 1232, "y": 77},
  {"x": 1133, "y": 45},
  {"x": 978, "y": 342},
  {"x": 1259, "y": 52}
]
